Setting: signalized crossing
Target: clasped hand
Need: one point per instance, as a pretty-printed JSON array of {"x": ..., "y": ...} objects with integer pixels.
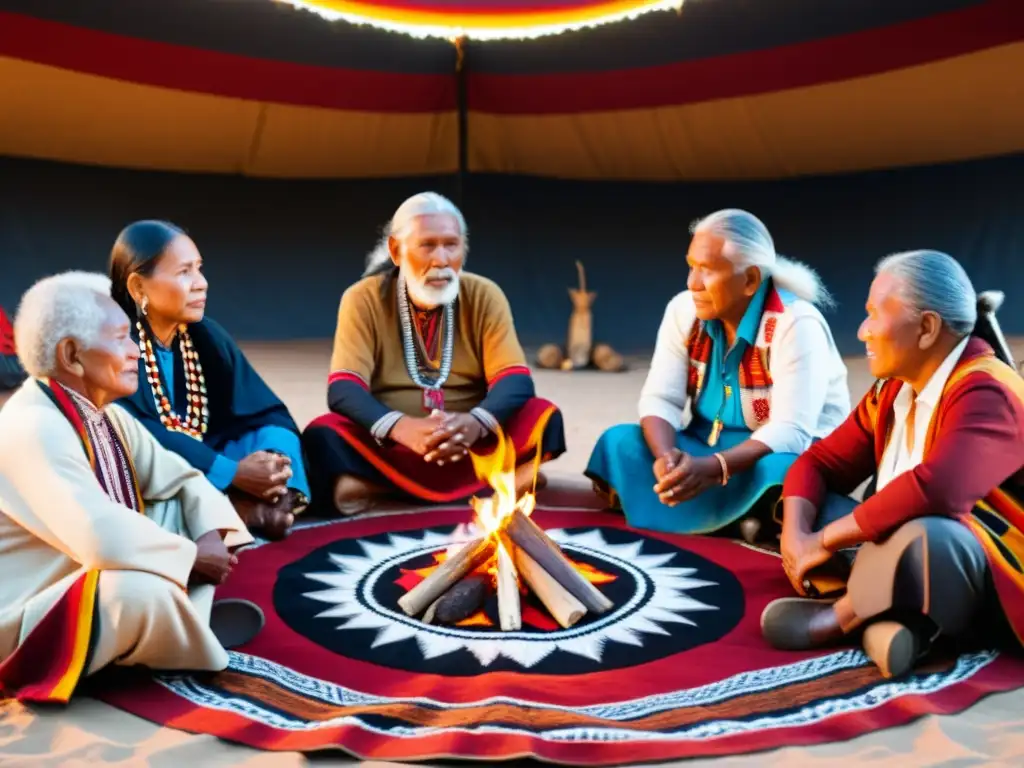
[
  {"x": 263, "y": 474},
  {"x": 682, "y": 476},
  {"x": 213, "y": 560},
  {"x": 440, "y": 437},
  {"x": 802, "y": 552}
]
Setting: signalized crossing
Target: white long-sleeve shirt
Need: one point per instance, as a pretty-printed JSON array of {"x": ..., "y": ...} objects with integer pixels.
[
  {"x": 898, "y": 458},
  {"x": 810, "y": 395}
]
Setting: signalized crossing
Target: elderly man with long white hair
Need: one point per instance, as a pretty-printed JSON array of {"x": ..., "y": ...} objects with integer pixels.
[
  {"x": 937, "y": 549},
  {"x": 745, "y": 374},
  {"x": 426, "y": 367},
  {"x": 110, "y": 545}
]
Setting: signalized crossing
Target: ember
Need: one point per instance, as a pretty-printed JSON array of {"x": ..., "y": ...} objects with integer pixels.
[{"x": 513, "y": 553}]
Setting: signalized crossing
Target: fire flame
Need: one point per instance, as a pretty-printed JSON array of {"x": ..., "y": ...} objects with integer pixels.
[{"x": 498, "y": 470}]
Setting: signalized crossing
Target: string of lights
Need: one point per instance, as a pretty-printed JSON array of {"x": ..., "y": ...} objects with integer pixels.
[{"x": 482, "y": 22}]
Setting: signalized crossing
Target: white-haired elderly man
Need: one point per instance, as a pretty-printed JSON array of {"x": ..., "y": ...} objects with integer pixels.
[
  {"x": 110, "y": 545},
  {"x": 938, "y": 548},
  {"x": 745, "y": 374},
  {"x": 426, "y": 367}
]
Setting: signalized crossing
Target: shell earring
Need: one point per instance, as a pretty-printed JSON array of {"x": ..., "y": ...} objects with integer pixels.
[{"x": 145, "y": 305}]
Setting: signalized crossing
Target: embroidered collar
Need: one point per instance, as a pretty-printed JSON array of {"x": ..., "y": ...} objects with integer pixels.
[{"x": 85, "y": 406}]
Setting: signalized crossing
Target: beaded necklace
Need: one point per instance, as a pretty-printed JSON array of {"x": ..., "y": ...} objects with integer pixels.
[
  {"x": 197, "y": 415},
  {"x": 433, "y": 394}
]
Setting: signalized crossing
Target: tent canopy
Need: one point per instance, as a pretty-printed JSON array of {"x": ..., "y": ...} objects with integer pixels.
[{"x": 726, "y": 89}]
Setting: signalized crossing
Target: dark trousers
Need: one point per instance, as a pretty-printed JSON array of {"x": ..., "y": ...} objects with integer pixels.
[{"x": 930, "y": 567}]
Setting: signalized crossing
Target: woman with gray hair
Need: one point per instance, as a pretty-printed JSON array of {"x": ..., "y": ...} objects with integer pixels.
[{"x": 745, "y": 375}]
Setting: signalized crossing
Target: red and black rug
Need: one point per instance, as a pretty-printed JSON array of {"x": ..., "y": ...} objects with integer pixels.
[{"x": 678, "y": 668}]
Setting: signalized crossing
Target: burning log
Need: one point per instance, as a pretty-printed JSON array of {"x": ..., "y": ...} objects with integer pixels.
[
  {"x": 530, "y": 537},
  {"x": 510, "y": 614},
  {"x": 474, "y": 554},
  {"x": 460, "y": 602},
  {"x": 563, "y": 607},
  {"x": 512, "y": 545}
]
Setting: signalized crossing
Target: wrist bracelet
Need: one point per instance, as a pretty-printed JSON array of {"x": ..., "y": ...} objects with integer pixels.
[{"x": 725, "y": 468}]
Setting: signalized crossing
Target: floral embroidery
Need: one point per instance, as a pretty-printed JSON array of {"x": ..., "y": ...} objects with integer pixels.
[{"x": 755, "y": 379}]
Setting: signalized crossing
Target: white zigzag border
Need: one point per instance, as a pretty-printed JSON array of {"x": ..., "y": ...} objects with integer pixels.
[{"x": 966, "y": 667}]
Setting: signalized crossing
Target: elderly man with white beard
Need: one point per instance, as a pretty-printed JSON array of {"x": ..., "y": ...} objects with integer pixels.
[
  {"x": 111, "y": 546},
  {"x": 426, "y": 367}
]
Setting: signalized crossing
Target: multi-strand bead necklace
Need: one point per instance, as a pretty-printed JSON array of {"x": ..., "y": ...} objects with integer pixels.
[
  {"x": 197, "y": 415},
  {"x": 433, "y": 392}
]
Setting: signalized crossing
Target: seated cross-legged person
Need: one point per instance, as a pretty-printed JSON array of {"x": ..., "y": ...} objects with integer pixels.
[
  {"x": 746, "y": 355},
  {"x": 198, "y": 394},
  {"x": 111, "y": 546},
  {"x": 936, "y": 549},
  {"x": 426, "y": 367}
]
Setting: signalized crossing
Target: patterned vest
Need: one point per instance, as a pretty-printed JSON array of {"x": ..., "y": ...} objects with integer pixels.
[
  {"x": 754, "y": 375},
  {"x": 997, "y": 520},
  {"x": 103, "y": 443}
]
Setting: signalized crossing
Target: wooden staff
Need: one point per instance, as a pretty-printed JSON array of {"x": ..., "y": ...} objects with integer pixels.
[
  {"x": 474, "y": 554},
  {"x": 510, "y": 613},
  {"x": 563, "y": 607},
  {"x": 538, "y": 545}
]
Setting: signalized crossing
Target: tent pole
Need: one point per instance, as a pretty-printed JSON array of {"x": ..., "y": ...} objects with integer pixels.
[{"x": 463, "y": 120}]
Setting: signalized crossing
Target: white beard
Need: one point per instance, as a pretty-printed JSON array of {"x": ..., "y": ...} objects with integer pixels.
[{"x": 428, "y": 297}]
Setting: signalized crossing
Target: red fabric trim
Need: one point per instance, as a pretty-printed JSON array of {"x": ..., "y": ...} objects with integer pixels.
[
  {"x": 70, "y": 412},
  {"x": 46, "y": 667},
  {"x": 428, "y": 482},
  {"x": 6, "y": 335},
  {"x": 773, "y": 302},
  {"x": 512, "y": 370},
  {"x": 820, "y": 61},
  {"x": 841, "y": 57},
  {"x": 202, "y": 71},
  {"x": 337, "y": 376}
]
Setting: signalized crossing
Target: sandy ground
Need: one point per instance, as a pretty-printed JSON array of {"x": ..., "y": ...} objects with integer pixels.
[{"x": 91, "y": 733}]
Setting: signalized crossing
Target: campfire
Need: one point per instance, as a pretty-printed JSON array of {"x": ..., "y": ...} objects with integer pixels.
[{"x": 511, "y": 555}]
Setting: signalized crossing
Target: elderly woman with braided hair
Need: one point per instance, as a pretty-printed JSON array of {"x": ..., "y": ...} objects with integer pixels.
[
  {"x": 198, "y": 394},
  {"x": 745, "y": 375}
]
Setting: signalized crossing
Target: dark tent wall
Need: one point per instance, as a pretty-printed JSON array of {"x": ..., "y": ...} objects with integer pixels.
[{"x": 279, "y": 253}]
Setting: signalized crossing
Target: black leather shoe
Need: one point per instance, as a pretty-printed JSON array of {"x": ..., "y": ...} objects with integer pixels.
[
  {"x": 236, "y": 622},
  {"x": 799, "y": 624}
]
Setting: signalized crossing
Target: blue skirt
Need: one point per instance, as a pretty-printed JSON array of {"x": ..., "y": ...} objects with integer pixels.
[{"x": 623, "y": 463}]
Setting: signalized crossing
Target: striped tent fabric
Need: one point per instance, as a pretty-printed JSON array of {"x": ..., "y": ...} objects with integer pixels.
[{"x": 698, "y": 90}]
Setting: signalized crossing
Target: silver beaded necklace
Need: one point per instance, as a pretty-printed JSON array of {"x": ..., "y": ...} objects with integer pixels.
[{"x": 409, "y": 347}]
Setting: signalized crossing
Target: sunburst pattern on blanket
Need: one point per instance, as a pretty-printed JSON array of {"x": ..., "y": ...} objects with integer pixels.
[{"x": 677, "y": 668}]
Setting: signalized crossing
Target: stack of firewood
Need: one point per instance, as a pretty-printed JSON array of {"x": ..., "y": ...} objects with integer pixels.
[{"x": 496, "y": 561}]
